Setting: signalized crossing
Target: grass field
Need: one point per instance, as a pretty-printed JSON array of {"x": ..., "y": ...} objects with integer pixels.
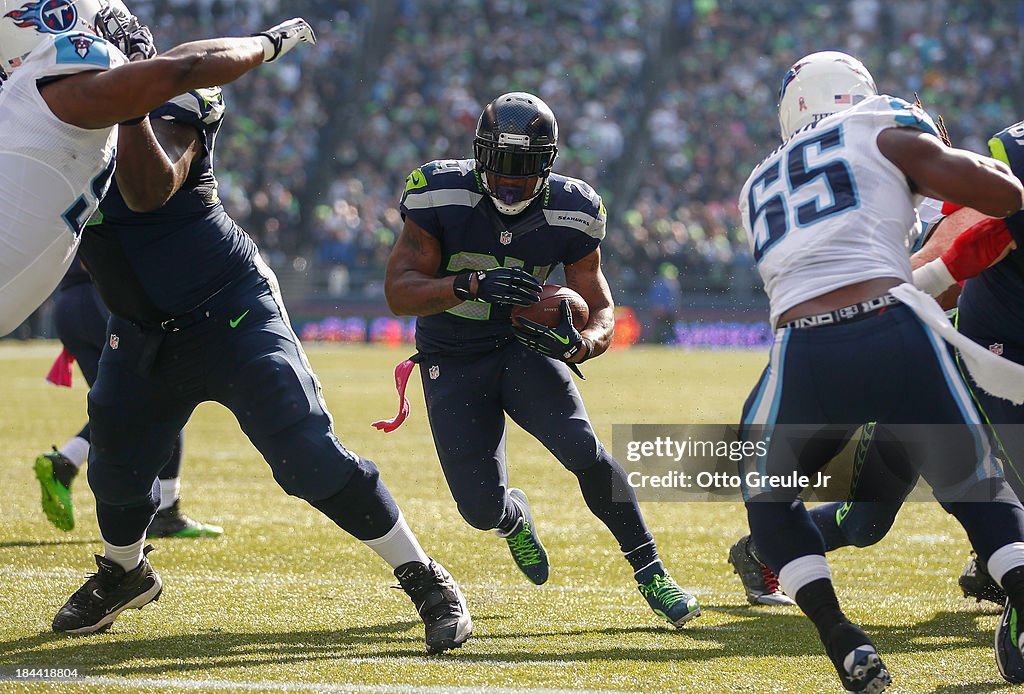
[{"x": 284, "y": 601}]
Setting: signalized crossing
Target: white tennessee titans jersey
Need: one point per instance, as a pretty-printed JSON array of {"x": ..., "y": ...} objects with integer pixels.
[
  {"x": 827, "y": 209},
  {"x": 52, "y": 174}
]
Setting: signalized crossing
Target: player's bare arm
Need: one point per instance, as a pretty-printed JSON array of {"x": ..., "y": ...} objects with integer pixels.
[
  {"x": 153, "y": 161},
  {"x": 411, "y": 284},
  {"x": 95, "y": 100},
  {"x": 953, "y": 175},
  {"x": 585, "y": 276},
  {"x": 100, "y": 99}
]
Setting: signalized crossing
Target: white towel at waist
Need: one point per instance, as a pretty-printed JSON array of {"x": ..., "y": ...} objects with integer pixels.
[{"x": 1000, "y": 377}]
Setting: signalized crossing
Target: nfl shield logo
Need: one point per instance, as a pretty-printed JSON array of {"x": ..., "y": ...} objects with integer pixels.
[
  {"x": 996, "y": 348},
  {"x": 505, "y": 238},
  {"x": 115, "y": 341},
  {"x": 435, "y": 371}
]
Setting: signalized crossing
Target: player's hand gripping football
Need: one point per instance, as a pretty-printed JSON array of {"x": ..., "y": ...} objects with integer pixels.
[
  {"x": 561, "y": 342},
  {"x": 280, "y": 39},
  {"x": 506, "y": 285}
]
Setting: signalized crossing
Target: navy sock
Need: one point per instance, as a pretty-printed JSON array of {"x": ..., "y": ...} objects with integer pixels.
[
  {"x": 610, "y": 498},
  {"x": 1013, "y": 584},
  {"x": 818, "y": 601},
  {"x": 645, "y": 562},
  {"x": 510, "y": 517}
]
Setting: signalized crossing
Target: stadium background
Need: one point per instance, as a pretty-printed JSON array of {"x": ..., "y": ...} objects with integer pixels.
[{"x": 663, "y": 105}]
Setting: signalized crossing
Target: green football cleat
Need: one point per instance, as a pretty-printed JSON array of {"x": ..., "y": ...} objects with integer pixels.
[
  {"x": 669, "y": 601},
  {"x": 55, "y": 472},
  {"x": 524, "y": 542},
  {"x": 171, "y": 522}
]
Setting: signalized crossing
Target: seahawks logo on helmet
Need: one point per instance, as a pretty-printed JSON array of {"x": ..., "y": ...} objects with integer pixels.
[{"x": 45, "y": 16}]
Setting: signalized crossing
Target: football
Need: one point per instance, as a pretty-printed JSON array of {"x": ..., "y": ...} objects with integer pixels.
[{"x": 548, "y": 311}]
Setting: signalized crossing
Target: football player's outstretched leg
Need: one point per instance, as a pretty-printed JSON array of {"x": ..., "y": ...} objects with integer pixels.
[
  {"x": 223, "y": 336},
  {"x": 480, "y": 237}
]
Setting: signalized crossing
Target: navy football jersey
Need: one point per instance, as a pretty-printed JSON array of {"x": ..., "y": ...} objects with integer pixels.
[
  {"x": 563, "y": 224},
  {"x": 75, "y": 275},
  {"x": 992, "y": 304},
  {"x": 150, "y": 266}
]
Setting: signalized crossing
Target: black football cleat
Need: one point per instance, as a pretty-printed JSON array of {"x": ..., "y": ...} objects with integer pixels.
[
  {"x": 171, "y": 522},
  {"x": 759, "y": 582},
  {"x": 108, "y": 592},
  {"x": 855, "y": 660},
  {"x": 975, "y": 582},
  {"x": 1008, "y": 646},
  {"x": 439, "y": 601}
]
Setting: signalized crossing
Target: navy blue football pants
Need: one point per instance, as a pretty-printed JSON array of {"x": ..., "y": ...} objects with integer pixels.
[
  {"x": 81, "y": 318},
  {"x": 886, "y": 476},
  {"x": 822, "y": 383},
  {"x": 467, "y": 398},
  {"x": 246, "y": 357}
]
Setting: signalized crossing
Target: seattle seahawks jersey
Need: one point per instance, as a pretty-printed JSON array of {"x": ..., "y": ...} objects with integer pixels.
[
  {"x": 52, "y": 174},
  {"x": 150, "y": 266},
  {"x": 565, "y": 223},
  {"x": 991, "y": 310},
  {"x": 827, "y": 209}
]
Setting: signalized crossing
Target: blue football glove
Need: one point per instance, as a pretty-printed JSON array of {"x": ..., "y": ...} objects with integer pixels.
[
  {"x": 507, "y": 285},
  {"x": 563, "y": 342}
]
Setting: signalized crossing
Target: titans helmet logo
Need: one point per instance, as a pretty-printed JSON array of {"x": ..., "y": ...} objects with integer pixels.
[{"x": 46, "y": 16}]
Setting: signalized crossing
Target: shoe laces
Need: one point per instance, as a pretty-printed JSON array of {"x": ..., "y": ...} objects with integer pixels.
[
  {"x": 419, "y": 584},
  {"x": 523, "y": 546},
  {"x": 771, "y": 581},
  {"x": 665, "y": 590}
]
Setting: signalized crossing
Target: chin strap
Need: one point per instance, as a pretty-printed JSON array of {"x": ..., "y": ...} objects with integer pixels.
[
  {"x": 60, "y": 372},
  {"x": 402, "y": 373}
]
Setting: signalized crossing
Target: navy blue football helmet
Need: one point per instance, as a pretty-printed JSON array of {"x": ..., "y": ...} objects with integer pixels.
[{"x": 515, "y": 145}]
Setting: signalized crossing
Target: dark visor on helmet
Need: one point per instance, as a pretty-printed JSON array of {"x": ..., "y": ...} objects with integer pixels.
[{"x": 514, "y": 164}]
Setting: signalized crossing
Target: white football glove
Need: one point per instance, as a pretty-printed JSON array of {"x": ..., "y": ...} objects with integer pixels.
[
  {"x": 285, "y": 36},
  {"x": 125, "y": 31}
]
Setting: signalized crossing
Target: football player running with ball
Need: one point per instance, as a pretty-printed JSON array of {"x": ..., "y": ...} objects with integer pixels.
[
  {"x": 829, "y": 214},
  {"x": 480, "y": 236}
]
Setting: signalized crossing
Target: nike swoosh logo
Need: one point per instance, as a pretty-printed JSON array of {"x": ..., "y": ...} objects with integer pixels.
[
  {"x": 235, "y": 321},
  {"x": 563, "y": 340}
]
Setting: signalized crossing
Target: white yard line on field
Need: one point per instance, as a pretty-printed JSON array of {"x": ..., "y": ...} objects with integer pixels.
[{"x": 207, "y": 684}]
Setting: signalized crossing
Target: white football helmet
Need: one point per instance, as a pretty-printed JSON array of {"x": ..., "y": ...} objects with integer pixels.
[
  {"x": 24, "y": 23},
  {"x": 819, "y": 85}
]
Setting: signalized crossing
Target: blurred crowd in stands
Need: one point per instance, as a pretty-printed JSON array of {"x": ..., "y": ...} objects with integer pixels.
[{"x": 663, "y": 105}]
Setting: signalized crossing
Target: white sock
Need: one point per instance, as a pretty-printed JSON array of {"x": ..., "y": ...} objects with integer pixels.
[
  {"x": 128, "y": 557},
  {"x": 1005, "y": 558},
  {"x": 399, "y": 546},
  {"x": 76, "y": 450},
  {"x": 170, "y": 490},
  {"x": 801, "y": 571}
]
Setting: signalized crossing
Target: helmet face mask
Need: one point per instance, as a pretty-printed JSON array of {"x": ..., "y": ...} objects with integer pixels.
[
  {"x": 819, "y": 85},
  {"x": 25, "y": 23},
  {"x": 515, "y": 147}
]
